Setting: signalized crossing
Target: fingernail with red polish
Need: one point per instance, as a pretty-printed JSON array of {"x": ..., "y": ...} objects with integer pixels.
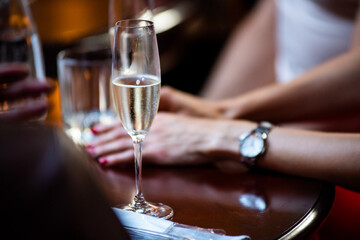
[
  {"x": 89, "y": 145},
  {"x": 94, "y": 130},
  {"x": 90, "y": 150},
  {"x": 103, "y": 161}
]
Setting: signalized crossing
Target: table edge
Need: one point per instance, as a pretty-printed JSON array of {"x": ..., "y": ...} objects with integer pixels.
[{"x": 309, "y": 223}]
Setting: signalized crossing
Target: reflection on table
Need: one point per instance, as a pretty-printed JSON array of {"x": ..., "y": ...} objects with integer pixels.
[{"x": 261, "y": 205}]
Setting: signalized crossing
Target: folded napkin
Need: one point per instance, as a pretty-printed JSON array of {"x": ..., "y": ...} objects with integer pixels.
[{"x": 143, "y": 227}]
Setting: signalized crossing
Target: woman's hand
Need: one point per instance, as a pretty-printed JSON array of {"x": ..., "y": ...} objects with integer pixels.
[
  {"x": 173, "y": 100},
  {"x": 15, "y": 88},
  {"x": 173, "y": 139}
]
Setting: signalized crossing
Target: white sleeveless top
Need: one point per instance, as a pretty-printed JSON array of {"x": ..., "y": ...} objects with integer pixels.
[{"x": 308, "y": 35}]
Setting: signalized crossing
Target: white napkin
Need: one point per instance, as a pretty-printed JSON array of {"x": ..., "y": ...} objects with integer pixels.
[{"x": 168, "y": 229}]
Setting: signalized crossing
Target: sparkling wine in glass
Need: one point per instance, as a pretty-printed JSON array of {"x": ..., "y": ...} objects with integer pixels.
[{"x": 136, "y": 89}]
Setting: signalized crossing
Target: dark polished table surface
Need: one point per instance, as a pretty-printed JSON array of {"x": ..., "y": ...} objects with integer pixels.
[
  {"x": 46, "y": 189},
  {"x": 262, "y": 205}
]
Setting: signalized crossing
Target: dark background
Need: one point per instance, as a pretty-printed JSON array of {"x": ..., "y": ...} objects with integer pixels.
[{"x": 187, "y": 51}]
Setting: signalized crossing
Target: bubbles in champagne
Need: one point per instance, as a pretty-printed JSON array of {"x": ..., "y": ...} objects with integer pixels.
[{"x": 137, "y": 100}]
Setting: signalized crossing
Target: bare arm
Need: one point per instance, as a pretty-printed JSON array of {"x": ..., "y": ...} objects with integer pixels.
[
  {"x": 176, "y": 139},
  {"x": 247, "y": 62},
  {"x": 330, "y": 157},
  {"x": 329, "y": 90},
  {"x": 326, "y": 96}
]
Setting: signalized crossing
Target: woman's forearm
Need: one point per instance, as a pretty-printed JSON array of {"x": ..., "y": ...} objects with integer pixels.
[
  {"x": 331, "y": 157},
  {"x": 329, "y": 90},
  {"x": 326, "y": 156},
  {"x": 237, "y": 70}
]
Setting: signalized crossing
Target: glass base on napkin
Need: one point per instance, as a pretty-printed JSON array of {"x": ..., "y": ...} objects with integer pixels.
[{"x": 145, "y": 227}]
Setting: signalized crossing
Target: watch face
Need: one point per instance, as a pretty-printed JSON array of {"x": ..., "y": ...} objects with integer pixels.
[{"x": 252, "y": 146}]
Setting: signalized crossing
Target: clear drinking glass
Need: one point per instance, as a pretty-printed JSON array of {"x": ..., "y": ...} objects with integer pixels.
[
  {"x": 19, "y": 45},
  {"x": 85, "y": 93},
  {"x": 136, "y": 84}
]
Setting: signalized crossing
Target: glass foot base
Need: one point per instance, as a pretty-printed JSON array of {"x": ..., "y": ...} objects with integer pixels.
[{"x": 152, "y": 209}]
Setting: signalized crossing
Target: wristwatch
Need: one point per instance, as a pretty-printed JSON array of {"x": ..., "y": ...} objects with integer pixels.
[{"x": 253, "y": 144}]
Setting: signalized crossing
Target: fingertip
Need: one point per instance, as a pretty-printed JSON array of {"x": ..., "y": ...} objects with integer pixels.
[
  {"x": 103, "y": 161},
  {"x": 109, "y": 161},
  {"x": 90, "y": 150},
  {"x": 117, "y": 159},
  {"x": 94, "y": 130},
  {"x": 100, "y": 128},
  {"x": 89, "y": 145}
]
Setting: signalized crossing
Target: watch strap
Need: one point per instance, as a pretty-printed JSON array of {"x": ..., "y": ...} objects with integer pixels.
[{"x": 264, "y": 127}]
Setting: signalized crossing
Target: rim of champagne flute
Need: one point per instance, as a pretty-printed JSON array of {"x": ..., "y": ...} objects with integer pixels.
[{"x": 125, "y": 23}]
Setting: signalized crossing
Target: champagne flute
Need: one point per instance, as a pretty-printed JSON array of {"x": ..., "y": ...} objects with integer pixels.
[{"x": 136, "y": 87}]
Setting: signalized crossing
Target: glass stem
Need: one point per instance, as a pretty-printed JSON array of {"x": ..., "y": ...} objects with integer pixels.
[{"x": 139, "y": 198}]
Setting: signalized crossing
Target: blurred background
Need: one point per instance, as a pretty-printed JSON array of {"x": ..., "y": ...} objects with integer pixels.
[{"x": 188, "y": 46}]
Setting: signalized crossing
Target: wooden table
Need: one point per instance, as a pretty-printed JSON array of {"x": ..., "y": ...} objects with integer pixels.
[{"x": 262, "y": 205}]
